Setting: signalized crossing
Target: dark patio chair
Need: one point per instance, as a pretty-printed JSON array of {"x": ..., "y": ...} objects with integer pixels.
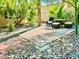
[{"x": 50, "y": 21}]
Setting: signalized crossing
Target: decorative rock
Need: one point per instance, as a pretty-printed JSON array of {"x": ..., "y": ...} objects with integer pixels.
[{"x": 63, "y": 48}]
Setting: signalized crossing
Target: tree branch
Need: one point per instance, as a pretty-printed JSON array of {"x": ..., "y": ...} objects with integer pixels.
[{"x": 69, "y": 3}]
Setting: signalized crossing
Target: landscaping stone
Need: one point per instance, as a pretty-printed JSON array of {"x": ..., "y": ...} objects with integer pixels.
[
  {"x": 3, "y": 48},
  {"x": 66, "y": 46}
]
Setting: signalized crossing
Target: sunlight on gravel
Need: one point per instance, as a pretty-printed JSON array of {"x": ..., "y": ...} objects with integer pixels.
[{"x": 66, "y": 47}]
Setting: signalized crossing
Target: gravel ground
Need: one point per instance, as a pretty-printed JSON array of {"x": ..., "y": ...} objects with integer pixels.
[{"x": 66, "y": 47}]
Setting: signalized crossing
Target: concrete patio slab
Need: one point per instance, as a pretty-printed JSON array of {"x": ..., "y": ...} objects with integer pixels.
[{"x": 43, "y": 35}]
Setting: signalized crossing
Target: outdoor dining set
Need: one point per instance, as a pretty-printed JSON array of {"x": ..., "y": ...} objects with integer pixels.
[{"x": 58, "y": 23}]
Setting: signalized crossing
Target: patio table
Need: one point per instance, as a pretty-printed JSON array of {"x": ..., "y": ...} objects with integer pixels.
[
  {"x": 56, "y": 25},
  {"x": 61, "y": 21}
]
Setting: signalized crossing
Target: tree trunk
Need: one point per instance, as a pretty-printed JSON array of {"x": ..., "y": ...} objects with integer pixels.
[
  {"x": 39, "y": 13},
  {"x": 76, "y": 23},
  {"x": 19, "y": 20},
  {"x": 76, "y": 19}
]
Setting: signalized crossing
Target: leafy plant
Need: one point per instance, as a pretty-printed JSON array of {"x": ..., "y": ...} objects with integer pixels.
[
  {"x": 53, "y": 9},
  {"x": 56, "y": 10},
  {"x": 60, "y": 13},
  {"x": 31, "y": 13},
  {"x": 18, "y": 9},
  {"x": 11, "y": 26}
]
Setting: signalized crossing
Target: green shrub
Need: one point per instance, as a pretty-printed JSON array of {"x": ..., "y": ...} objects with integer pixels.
[
  {"x": 10, "y": 26},
  {"x": 53, "y": 10},
  {"x": 56, "y": 10}
]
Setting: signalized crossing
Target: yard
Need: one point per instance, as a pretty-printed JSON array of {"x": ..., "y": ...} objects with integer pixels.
[
  {"x": 39, "y": 29},
  {"x": 47, "y": 43}
]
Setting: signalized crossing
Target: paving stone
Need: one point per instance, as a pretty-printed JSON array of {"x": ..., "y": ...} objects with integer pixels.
[
  {"x": 63, "y": 48},
  {"x": 3, "y": 47}
]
